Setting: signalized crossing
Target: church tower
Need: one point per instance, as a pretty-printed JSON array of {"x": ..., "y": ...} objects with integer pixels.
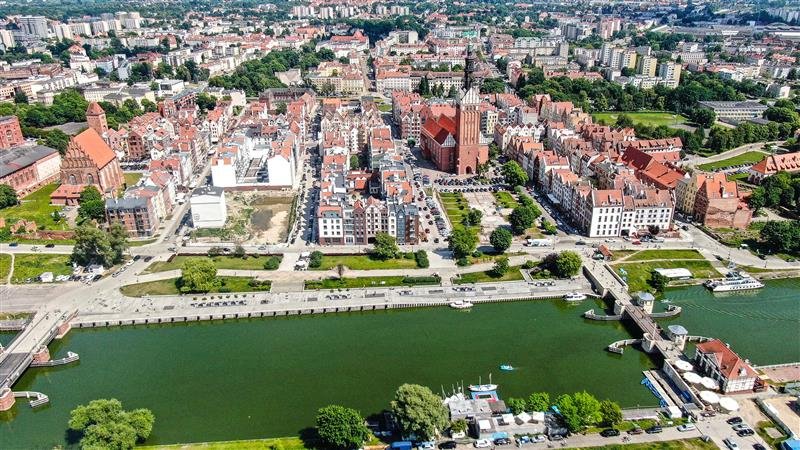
[
  {"x": 96, "y": 118},
  {"x": 469, "y": 151}
]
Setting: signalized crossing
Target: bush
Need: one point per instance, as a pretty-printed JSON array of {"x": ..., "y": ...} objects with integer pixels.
[
  {"x": 529, "y": 264},
  {"x": 477, "y": 254},
  {"x": 461, "y": 262},
  {"x": 422, "y": 280},
  {"x": 408, "y": 255},
  {"x": 315, "y": 260},
  {"x": 421, "y": 256},
  {"x": 272, "y": 263}
]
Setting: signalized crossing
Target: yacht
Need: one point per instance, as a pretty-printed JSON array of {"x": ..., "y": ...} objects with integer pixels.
[
  {"x": 506, "y": 367},
  {"x": 483, "y": 387},
  {"x": 735, "y": 280},
  {"x": 574, "y": 297},
  {"x": 461, "y": 304}
]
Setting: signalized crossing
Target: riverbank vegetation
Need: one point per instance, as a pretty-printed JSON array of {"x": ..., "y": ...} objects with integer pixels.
[
  {"x": 489, "y": 276},
  {"x": 104, "y": 424},
  {"x": 639, "y": 276},
  {"x": 172, "y": 286},
  {"x": 371, "y": 282}
]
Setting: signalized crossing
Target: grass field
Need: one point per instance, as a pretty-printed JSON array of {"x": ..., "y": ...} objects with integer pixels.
[
  {"x": 646, "y": 255},
  {"x": 639, "y": 273},
  {"x": 686, "y": 444},
  {"x": 652, "y": 118},
  {"x": 364, "y": 262},
  {"x": 36, "y": 207},
  {"x": 255, "y": 444},
  {"x": 5, "y": 266},
  {"x": 513, "y": 274},
  {"x": 31, "y": 265},
  {"x": 170, "y": 287},
  {"x": 456, "y": 206},
  {"x": 132, "y": 178},
  {"x": 221, "y": 262},
  {"x": 505, "y": 199},
  {"x": 745, "y": 158},
  {"x": 365, "y": 282}
]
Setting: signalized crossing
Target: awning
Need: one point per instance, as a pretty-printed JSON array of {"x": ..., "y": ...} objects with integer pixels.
[
  {"x": 709, "y": 397},
  {"x": 728, "y": 404},
  {"x": 682, "y": 365},
  {"x": 523, "y": 417},
  {"x": 692, "y": 377},
  {"x": 709, "y": 383}
]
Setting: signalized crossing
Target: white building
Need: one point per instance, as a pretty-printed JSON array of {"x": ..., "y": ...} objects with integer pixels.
[{"x": 208, "y": 207}]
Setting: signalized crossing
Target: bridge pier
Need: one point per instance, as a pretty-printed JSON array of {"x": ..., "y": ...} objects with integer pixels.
[
  {"x": 7, "y": 399},
  {"x": 648, "y": 344},
  {"x": 42, "y": 354}
]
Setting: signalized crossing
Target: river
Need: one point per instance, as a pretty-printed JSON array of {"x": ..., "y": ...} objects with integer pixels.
[{"x": 260, "y": 378}]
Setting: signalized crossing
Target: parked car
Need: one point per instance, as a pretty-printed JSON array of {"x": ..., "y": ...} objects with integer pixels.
[
  {"x": 13, "y": 244},
  {"x": 745, "y": 432},
  {"x": 502, "y": 441},
  {"x": 686, "y": 427},
  {"x": 609, "y": 432},
  {"x": 734, "y": 420},
  {"x": 482, "y": 443},
  {"x": 731, "y": 444},
  {"x": 427, "y": 445},
  {"x": 759, "y": 447},
  {"x": 708, "y": 413},
  {"x": 448, "y": 445},
  {"x": 539, "y": 438},
  {"x": 51, "y": 245},
  {"x": 654, "y": 429},
  {"x": 636, "y": 430}
]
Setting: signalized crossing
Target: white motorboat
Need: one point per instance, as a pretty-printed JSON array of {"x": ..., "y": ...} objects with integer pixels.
[
  {"x": 574, "y": 297},
  {"x": 461, "y": 304}
]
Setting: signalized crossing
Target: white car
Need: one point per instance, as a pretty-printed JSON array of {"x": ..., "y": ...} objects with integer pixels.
[
  {"x": 539, "y": 438},
  {"x": 686, "y": 427},
  {"x": 731, "y": 444},
  {"x": 482, "y": 443},
  {"x": 429, "y": 445}
]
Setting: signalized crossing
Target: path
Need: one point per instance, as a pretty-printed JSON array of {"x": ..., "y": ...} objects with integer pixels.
[
  {"x": 696, "y": 160},
  {"x": 10, "y": 269}
]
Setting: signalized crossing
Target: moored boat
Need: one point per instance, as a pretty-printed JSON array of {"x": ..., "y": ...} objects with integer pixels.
[
  {"x": 460, "y": 304},
  {"x": 735, "y": 280},
  {"x": 574, "y": 297},
  {"x": 506, "y": 367}
]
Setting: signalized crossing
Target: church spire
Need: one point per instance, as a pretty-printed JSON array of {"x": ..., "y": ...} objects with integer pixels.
[{"x": 469, "y": 69}]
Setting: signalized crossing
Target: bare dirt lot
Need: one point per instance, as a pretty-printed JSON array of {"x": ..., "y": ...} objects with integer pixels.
[{"x": 254, "y": 218}]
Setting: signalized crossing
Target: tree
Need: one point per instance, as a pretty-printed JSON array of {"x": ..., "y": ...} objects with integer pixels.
[
  {"x": 95, "y": 246},
  {"x": 92, "y": 209},
  {"x": 569, "y": 411},
  {"x": 421, "y": 257},
  {"x": 419, "y": 411},
  {"x": 385, "y": 247},
  {"x": 462, "y": 242},
  {"x": 539, "y": 401},
  {"x": 341, "y": 428},
  {"x": 611, "y": 413},
  {"x": 654, "y": 229},
  {"x": 206, "y": 102},
  {"x": 516, "y": 405},
  {"x": 8, "y": 196},
  {"x": 104, "y": 424},
  {"x": 522, "y": 218},
  {"x": 783, "y": 236},
  {"x": 198, "y": 275},
  {"x": 704, "y": 117},
  {"x": 658, "y": 281},
  {"x": 20, "y": 97},
  {"x": 315, "y": 260},
  {"x": 567, "y": 264},
  {"x": 272, "y": 263},
  {"x": 500, "y": 267},
  {"x": 472, "y": 217},
  {"x": 239, "y": 252},
  {"x": 501, "y": 239},
  {"x": 624, "y": 121},
  {"x": 280, "y": 108},
  {"x": 514, "y": 174},
  {"x": 588, "y": 408},
  {"x": 118, "y": 239}
]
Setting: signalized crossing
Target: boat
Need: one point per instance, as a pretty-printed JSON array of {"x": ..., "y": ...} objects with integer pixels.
[
  {"x": 460, "y": 304},
  {"x": 506, "y": 367},
  {"x": 735, "y": 280},
  {"x": 483, "y": 387},
  {"x": 574, "y": 297}
]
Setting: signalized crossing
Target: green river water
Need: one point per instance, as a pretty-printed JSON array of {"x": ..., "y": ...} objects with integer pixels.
[{"x": 262, "y": 378}]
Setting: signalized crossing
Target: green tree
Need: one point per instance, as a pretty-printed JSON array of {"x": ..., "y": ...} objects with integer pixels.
[
  {"x": 611, "y": 413},
  {"x": 501, "y": 239},
  {"x": 462, "y": 242},
  {"x": 588, "y": 408},
  {"x": 315, "y": 260},
  {"x": 567, "y": 264},
  {"x": 516, "y": 405},
  {"x": 56, "y": 139},
  {"x": 703, "y": 117},
  {"x": 658, "y": 281},
  {"x": 8, "y": 196},
  {"x": 199, "y": 275},
  {"x": 239, "y": 252},
  {"x": 624, "y": 121},
  {"x": 514, "y": 174},
  {"x": 341, "y": 428},
  {"x": 20, "y": 97},
  {"x": 539, "y": 401},
  {"x": 421, "y": 256},
  {"x": 522, "y": 218},
  {"x": 783, "y": 236},
  {"x": 206, "y": 102},
  {"x": 385, "y": 247},
  {"x": 280, "y": 108},
  {"x": 118, "y": 239},
  {"x": 472, "y": 217},
  {"x": 419, "y": 411},
  {"x": 272, "y": 263},
  {"x": 500, "y": 267},
  {"x": 569, "y": 411},
  {"x": 103, "y": 423},
  {"x": 93, "y": 246}
]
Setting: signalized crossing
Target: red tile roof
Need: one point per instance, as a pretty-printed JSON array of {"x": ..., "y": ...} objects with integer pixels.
[
  {"x": 95, "y": 147},
  {"x": 730, "y": 365}
]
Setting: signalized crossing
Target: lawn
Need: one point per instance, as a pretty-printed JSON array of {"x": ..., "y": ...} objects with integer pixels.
[
  {"x": 256, "y": 444},
  {"x": 369, "y": 282},
  {"x": 170, "y": 287},
  {"x": 36, "y": 207},
  {"x": 31, "y": 265},
  {"x": 652, "y": 118},
  {"x": 364, "y": 262},
  {"x": 513, "y": 274},
  {"x": 456, "y": 206},
  {"x": 505, "y": 199},
  {"x": 131, "y": 178},
  {"x": 140, "y": 242},
  {"x": 5, "y": 266},
  {"x": 743, "y": 159},
  {"x": 685, "y": 444},
  {"x": 639, "y": 273},
  {"x": 221, "y": 262},
  {"x": 647, "y": 255}
]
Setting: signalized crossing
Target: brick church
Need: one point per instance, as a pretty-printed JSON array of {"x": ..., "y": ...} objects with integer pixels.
[
  {"x": 454, "y": 144},
  {"x": 89, "y": 161}
]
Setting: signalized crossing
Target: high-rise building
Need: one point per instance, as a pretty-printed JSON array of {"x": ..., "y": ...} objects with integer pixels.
[
  {"x": 646, "y": 65},
  {"x": 670, "y": 71},
  {"x": 33, "y": 25}
]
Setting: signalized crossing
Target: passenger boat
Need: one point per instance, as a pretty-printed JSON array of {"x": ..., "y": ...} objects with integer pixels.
[
  {"x": 734, "y": 281},
  {"x": 506, "y": 367},
  {"x": 460, "y": 304},
  {"x": 574, "y": 297}
]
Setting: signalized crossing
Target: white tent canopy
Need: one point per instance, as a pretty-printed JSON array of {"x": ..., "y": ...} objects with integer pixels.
[
  {"x": 709, "y": 397},
  {"x": 709, "y": 383},
  {"x": 692, "y": 377},
  {"x": 537, "y": 416},
  {"x": 683, "y": 366},
  {"x": 523, "y": 417},
  {"x": 728, "y": 404}
]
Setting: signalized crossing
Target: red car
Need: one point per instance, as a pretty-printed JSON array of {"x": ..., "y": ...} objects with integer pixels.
[{"x": 637, "y": 242}]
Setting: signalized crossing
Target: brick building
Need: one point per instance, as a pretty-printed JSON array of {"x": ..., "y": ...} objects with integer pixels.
[
  {"x": 10, "y": 132},
  {"x": 88, "y": 161}
]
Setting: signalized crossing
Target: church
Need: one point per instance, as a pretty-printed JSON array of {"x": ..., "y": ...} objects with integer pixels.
[
  {"x": 454, "y": 144},
  {"x": 89, "y": 161}
]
